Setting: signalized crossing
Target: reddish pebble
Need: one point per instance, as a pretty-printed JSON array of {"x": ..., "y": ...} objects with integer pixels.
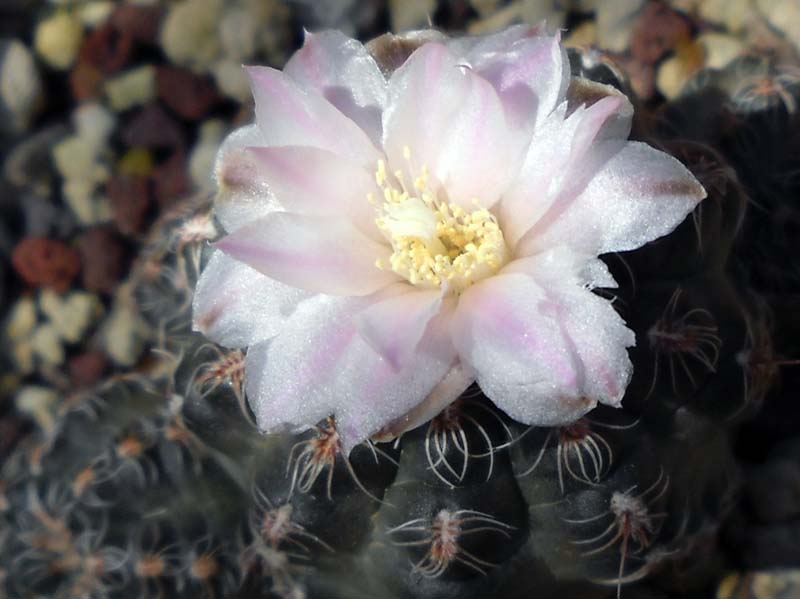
[
  {"x": 87, "y": 369},
  {"x": 142, "y": 23},
  {"x": 658, "y": 30},
  {"x": 86, "y": 82},
  {"x": 642, "y": 78},
  {"x": 47, "y": 263},
  {"x": 107, "y": 49},
  {"x": 104, "y": 257},
  {"x": 152, "y": 127},
  {"x": 130, "y": 202},
  {"x": 171, "y": 179},
  {"x": 189, "y": 95}
]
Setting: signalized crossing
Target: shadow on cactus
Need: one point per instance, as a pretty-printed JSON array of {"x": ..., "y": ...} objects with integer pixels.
[{"x": 390, "y": 360}]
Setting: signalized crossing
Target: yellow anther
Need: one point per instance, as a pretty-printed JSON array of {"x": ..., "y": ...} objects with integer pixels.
[{"x": 434, "y": 241}]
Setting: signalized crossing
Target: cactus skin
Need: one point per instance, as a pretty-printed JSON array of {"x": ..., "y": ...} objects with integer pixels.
[{"x": 157, "y": 484}]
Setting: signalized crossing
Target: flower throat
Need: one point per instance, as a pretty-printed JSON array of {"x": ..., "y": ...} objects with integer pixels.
[{"x": 435, "y": 243}]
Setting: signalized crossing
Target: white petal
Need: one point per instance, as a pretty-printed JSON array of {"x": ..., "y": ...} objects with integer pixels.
[
  {"x": 563, "y": 265},
  {"x": 639, "y": 195},
  {"x": 289, "y": 115},
  {"x": 562, "y": 157},
  {"x": 341, "y": 70},
  {"x": 424, "y": 95},
  {"x": 531, "y": 76},
  {"x": 394, "y": 326},
  {"x": 595, "y": 273},
  {"x": 477, "y": 158},
  {"x": 600, "y": 338},
  {"x": 320, "y": 365},
  {"x": 452, "y": 122},
  {"x": 236, "y": 306},
  {"x": 593, "y": 328},
  {"x": 283, "y": 404},
  {"x": 243, "y": 193},
  {"x": 506, "y": 329},
  {"x": 310, "y": 180},
  {"x": 321, "y": 254},
  {"x": 450, "y": 388},
  {"x": 528, "y": 197},
  {"x": 475, "y": 48}
]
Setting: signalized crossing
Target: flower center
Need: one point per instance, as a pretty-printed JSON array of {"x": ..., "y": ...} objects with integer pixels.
[{"x": 436, "y": 242}]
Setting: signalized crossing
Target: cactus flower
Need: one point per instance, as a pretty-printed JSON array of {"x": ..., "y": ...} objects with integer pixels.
[{"x": 393, "y": 238}]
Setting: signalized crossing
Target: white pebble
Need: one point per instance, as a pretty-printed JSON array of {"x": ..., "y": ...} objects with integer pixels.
[
  {"x": 38, "y": 402},
  {"x": 46, "y": 345},
  {"x": 189, "y": 34},
  {"x": 132, "y": 88},
  {"x": 72, "y": 314},
  {"x": 20, "y": 85},
  {"x": 58, "y": 39}
]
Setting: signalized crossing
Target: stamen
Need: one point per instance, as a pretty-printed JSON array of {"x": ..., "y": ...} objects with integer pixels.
[{"x": 435, "y": 242}]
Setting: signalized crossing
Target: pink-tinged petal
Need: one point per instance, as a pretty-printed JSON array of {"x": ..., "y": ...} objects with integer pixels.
[
  {"x": 528, "y": 197},
  {"x": 236, "y": 306},
  {"x": 600, "y": 338},
  {"x": 289, "y": 115},
  {"x": 321, "y": 254},
  {"x": 477, "y": 49},
  {"x": 319, "y": 365},
  {"x": 452, "y": 122},
  {"x": 562, "y": 265},
  {"x": 282, "y": 405},
  {"x": 638, "y": 195},
  {"x": 608, "y": 118},
  {"x": 455, "y": 382},
  {"x": 602, "y": 131},
  {"x": 479, "y": 156},
  {"x": 314, "y": 181},
  {"x": 506, "y": 329},
  {"x": 424, "y": 96},
  {"x": 594, "y": 329},
  {"x": 531, "y": 77},
  {"x": 341, "y": 70},
  {"x": 385, "y": 394},
  {"x": 243, "y": 193},
  {"x": 590, "y": 326},
  {"x": 394, "y": 326},
  {"x": 563, "y": 156}
]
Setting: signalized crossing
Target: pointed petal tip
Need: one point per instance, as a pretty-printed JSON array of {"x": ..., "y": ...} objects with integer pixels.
[
  {"x": 202, "y": 322},
  {"x": 259, "y": 76},
  {"x": 614, "y": 102},
  {"x": 701, "y": 193},
  {"x": 223, "y": 244},
  {"x": 457, "y": 380},
  {"x": 253, "y": 70}
]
